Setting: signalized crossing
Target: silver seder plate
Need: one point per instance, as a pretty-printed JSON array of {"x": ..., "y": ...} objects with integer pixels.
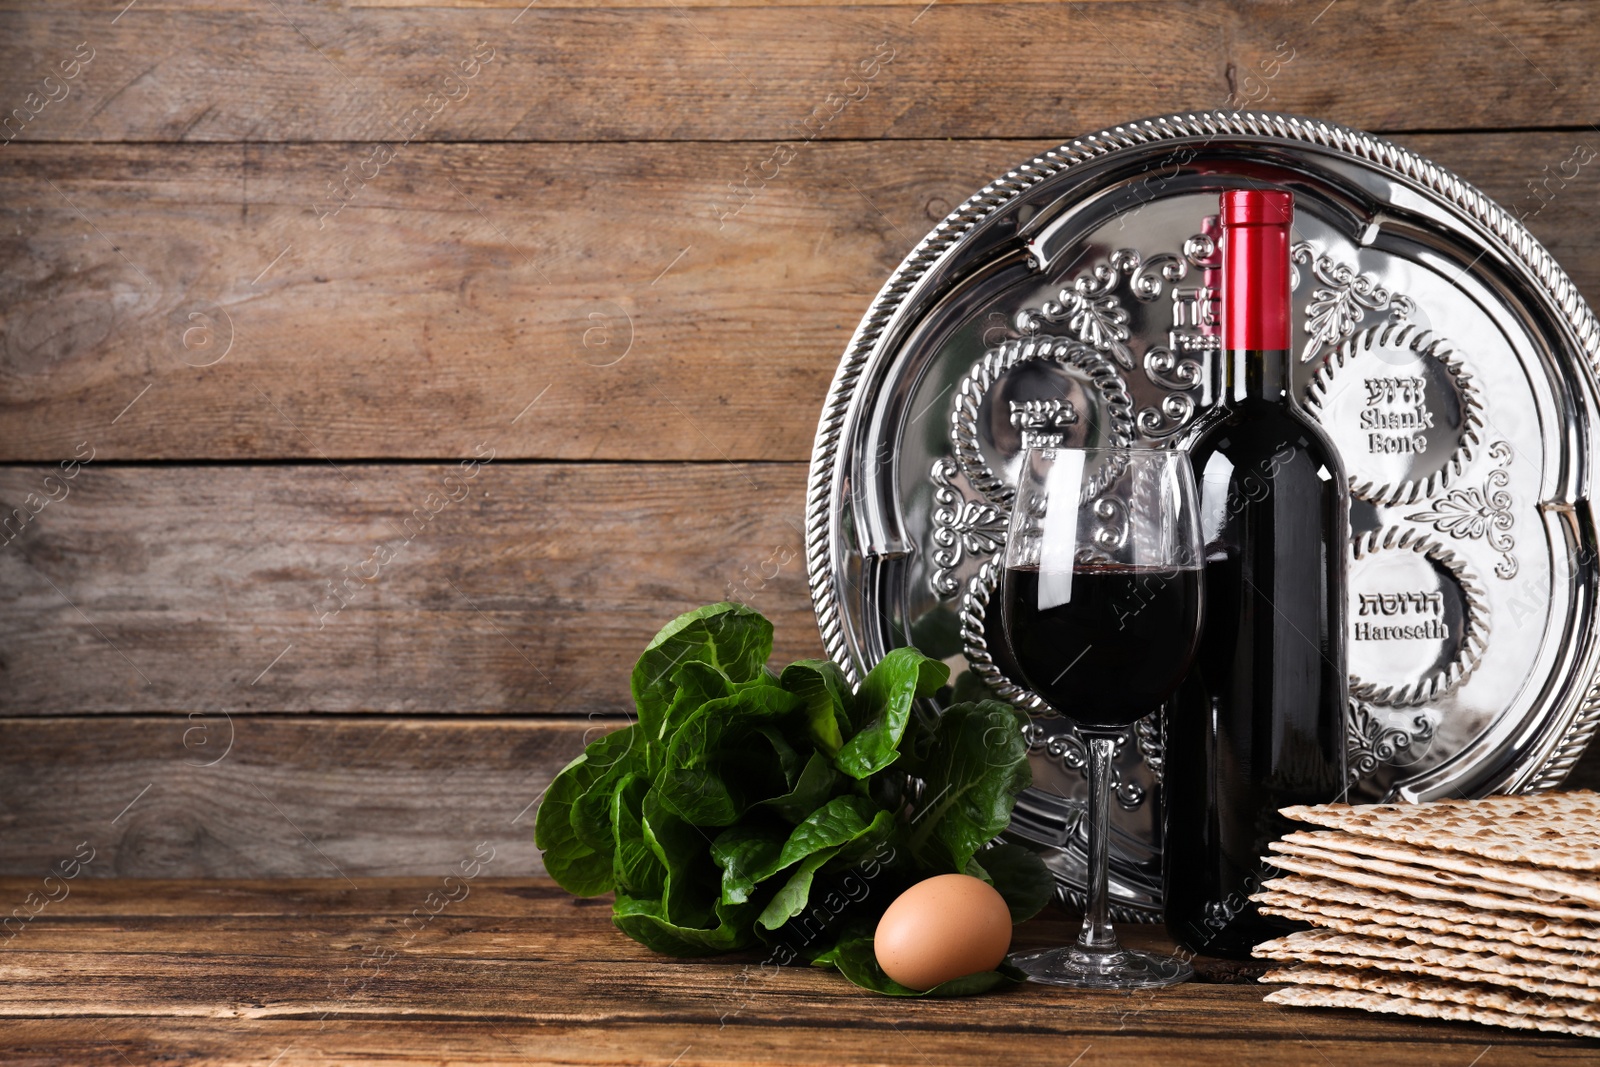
[{"x": 1449, "y": 357}]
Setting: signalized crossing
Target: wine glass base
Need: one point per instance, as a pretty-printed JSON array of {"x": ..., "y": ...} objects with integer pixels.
[{"x": 1120, "y": 968}]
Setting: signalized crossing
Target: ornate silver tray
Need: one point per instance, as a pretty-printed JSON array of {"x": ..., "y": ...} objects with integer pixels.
[{"x": 1450, "y": 358}]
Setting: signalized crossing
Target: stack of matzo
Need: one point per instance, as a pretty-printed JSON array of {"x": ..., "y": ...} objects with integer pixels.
[{"x": 1483, "y": 910}]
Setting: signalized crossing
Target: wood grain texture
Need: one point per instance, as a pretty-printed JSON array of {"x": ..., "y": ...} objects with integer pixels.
[
  {"x": 366, "y": 588},
  {"x": 465, "y": 282},
  {"x": 458, "y": 288},
  {"x": 212, "y": 795},
  {"x": 299, "y": 71},
  {"x": 109, "y": 9},
  {"x": 517, "y": 971},
  {"x": 888, "y": 1035}
]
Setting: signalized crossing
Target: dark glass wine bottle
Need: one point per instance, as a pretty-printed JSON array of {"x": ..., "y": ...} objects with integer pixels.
[{"x": 1259, "y": 722}]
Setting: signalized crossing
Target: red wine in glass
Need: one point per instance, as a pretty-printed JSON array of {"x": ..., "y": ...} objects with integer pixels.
[{"x": 1123, "y": 642}]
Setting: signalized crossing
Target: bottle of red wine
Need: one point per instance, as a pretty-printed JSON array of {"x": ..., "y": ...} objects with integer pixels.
[{"x": 1259, "y": 722}]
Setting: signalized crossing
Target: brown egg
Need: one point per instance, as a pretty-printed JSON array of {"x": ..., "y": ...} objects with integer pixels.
[{"x": 944, "y": 927}]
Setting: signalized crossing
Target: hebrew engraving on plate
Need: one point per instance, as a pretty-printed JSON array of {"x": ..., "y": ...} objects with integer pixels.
[
  {"x": 1402, "y": 410},
  {"x": 1418, "y": 619}
]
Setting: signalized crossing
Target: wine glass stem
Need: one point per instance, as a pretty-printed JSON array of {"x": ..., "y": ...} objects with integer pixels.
[{"x": 1097, "y": 934}]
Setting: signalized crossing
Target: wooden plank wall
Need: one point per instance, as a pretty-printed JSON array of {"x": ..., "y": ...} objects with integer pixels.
[{"x": 420, "y": 359}]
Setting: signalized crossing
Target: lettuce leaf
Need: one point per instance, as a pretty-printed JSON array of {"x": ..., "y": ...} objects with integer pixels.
[
  {"x": 635, "y": 866},
  {"x": 607, "y": 761},
  {"x": 816, "y": 783},
  {"x": 577, "y": 867},
  {"x": 1018, "y": 874},
  {"x": 742, "y": 853},
  {"x": 735, "y": 640},
  {"x": 720, "y": 761},
  {"x": 884, "y": 703},
  {"x": 829, "y": 701},
  {"x": 840, "y": 822},
  {"x": 977, "y": 764},
  {"x": 646, "y": 922}
]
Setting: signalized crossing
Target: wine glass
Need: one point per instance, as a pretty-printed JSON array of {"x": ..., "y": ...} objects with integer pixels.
[{"x": 1102, "y": 603}]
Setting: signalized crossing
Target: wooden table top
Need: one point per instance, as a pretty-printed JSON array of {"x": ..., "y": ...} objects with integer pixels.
[{"x": 324, "y": 972}]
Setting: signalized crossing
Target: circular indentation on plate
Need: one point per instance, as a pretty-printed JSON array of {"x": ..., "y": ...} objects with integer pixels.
[
  {"x": 1401, "y": 409},
  {"x": 1417, "y": 616},
  {"x": 1035, "y": 391}
]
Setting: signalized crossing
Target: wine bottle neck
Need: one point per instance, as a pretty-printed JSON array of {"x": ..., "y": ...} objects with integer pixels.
[
  {"x": 1256, "y": 374},
  {"x": 1255, "y": 293}
]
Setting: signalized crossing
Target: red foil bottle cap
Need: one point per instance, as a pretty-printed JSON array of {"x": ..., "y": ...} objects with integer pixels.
[
  {"x": 1255, "y": 269},
  {"x": 1257, "y": 207}
]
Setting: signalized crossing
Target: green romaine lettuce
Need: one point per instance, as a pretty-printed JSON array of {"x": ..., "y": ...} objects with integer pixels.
[
  {"x": 748, "y": 804},
  {"x": 829, "y": 701}
]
